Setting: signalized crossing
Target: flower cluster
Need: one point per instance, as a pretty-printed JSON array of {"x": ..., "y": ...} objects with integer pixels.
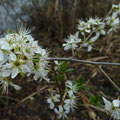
[
  {"x": 110, "y": 24},
  {"x": 69, "y": 102},
  {"x": 86, "y": 27},
  {"x": 20, "y": 54},
  {"x": 113, "y": 108}
]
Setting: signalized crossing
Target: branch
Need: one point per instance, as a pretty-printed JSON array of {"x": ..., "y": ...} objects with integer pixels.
[
  {"x": 7, "y": 97},
  {"x": 92, "y": 106},
  {"x": 111, "y": 81},
  {"x": 83, "y": 61},
  {"x": 33, "y": 94}
]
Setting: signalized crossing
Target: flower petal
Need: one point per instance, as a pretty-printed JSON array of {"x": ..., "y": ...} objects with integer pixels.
[{"x": 14, "y": 72}]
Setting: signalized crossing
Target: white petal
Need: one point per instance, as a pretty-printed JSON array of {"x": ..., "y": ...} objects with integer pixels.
[
  {"x": 107, "y": 104},
  {"x": 14, "y": 72},
  {"x": 76, "y": 34},
  {"x": 82, "y": 33},
  {"x": 93, "y": 39},
  {"x": 60, "y": 115},
  {"x": 67, "y": 47},
  {"x": 5, "y": 46},
  {"x": 12, "y": 56},
  {"x": 89, "y": 48},
  {"x": 15, "y": 86},
  {"x": 30, "y": 65},
  {"x": 74, "y": 46},
  {"x": 51, "y": 105},
  {"x": 60, "y": 108},
  {"x": 88, "y": 31},
  {"x": 36, "y": 76},
  {"x": 56, "y": 111},
  {"x": 98, "y": 34},
  {"x": 116, "y": 103},
  {"x": 115, "y": 14},
  {"x": 1, "y": 56},
  {"x": 5, "y": 73},
  {"x": 57, "y": 96},
  {"x": 67, "y": 107},
  {"x": 24, "y": 68},
  {"x": 116, "y": 114},
  {"x": 49, "y": 100},
  {"x": 69, "y": 83},
  {"x": 67, "y": 101},
  {"x": 102, "y": 32},
  {"x": 70, "y": 92}
]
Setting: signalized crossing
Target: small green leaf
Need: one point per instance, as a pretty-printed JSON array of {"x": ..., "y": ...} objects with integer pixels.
[
  {"x": 95, "y": 100},
  {"x": 84, "y": 87},
  {"x": 64, "y": 66},
  {"x": 60, "y": 78},
  {"x": 69, "y": 70},
  {"x": 9, "y": 31},
  {"x": 80, "y": 81}
]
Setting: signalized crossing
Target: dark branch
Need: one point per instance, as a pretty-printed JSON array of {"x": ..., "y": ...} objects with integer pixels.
[{"x": 83, "y": 61}]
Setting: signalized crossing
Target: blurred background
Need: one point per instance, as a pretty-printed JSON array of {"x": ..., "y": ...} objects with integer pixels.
[{"x": 49, "y": 18}]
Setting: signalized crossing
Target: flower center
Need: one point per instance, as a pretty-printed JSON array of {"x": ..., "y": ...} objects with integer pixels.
[{"x": 16, "y": 63}]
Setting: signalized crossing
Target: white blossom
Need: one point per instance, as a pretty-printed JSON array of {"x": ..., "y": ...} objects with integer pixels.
[
  {"x": 70, "y": 103},
  {"x": 52, "y": 99},
  {"x": 94, "y": 21},
  {"x": 5, "y": 83},
  {"x": 72, "y": 87},
  {"x": 71, "y": 42},
  {"x": 113, "y": 22},
  {"x": 57, "y": 65},
  {"x": 40, "y": 70},
  {"x": 61, "y": 112},
  {"x": 116, "y": 9},
  {"x": 16, "y": 65},
  {"x": 100, "y": 30},
  {"x": 113, "y": 108},
  {"x": 83, "y": 27}
]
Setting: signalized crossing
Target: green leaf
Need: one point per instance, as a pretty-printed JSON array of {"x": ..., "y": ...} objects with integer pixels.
[
  {"x": 60, "y": 78},
  {"x": 64, "y": 66},
  {"x": 9, "y": 31},
  {"x": 80, "y": 81},
  {"x": 69, "y": 70},
  {"x": 84, "y": 87},
  {"x": 95, "y": 100}
]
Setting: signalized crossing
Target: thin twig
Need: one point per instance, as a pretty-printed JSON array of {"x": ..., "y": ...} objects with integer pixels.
[
  {"x": 92, "y": 106},
  {"x": 33, "y": 94},
  {"x": 111, "y": 81},
  {"x": 65, "y": 93},
  {"x": 83, "y": 61},
  {"x": 91, "y": 34},
  {"x": 56, "y": 78},
  {"x": 7, "y": 97},
  {"x": 73, "y": 12}
]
